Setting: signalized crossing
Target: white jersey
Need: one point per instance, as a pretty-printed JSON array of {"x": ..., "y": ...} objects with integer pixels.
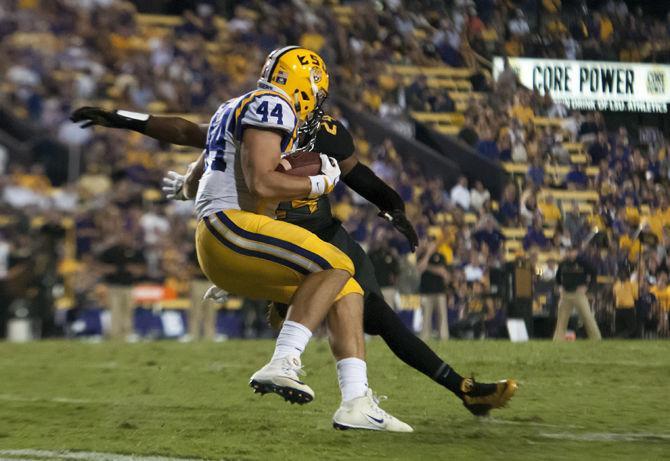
[{"x": 222, "y": 186}]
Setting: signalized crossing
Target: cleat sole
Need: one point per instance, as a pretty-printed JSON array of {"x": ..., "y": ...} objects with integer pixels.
[
  {"x": 484, "y": 409},
  {"x": 287, "y": 393},
  {"x": 340, "y": 427}
]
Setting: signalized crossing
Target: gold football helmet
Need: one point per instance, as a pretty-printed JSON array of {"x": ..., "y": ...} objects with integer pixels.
[{"x": 298, "y": 73}]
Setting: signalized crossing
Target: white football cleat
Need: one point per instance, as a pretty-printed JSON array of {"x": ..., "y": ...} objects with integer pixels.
[
  {"x": 281, "y": 377},
  {"x": 364, "y": 413}
]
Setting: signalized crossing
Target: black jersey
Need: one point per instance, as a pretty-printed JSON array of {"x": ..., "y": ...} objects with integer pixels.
[{"x": 334, "y": 140}]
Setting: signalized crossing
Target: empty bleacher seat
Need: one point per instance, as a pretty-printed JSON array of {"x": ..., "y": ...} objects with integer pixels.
[{"x": 438, "y": 117}]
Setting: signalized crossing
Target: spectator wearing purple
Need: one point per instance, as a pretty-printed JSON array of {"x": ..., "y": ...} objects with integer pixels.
[
  {"x": 601, "y": 149},
  {"x": 621, "y": 156},
  {"x": 487, "y": 146},
  {"x": 489, "y": 234},
  {"x": 535, "y": 236},
  {"x": 468, "y": 134},
  {"x": 508, "y": 213},
  {"x": 417, "y": 94},
  {"x": 588, "y": 128},
  {"x": 505, "y": 148},
  {"x": 576, "y": 178},
  {"x": 535, "y": 172}
]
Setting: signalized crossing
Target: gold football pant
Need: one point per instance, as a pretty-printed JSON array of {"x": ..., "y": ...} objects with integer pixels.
[{"x": 257, "y": 257}]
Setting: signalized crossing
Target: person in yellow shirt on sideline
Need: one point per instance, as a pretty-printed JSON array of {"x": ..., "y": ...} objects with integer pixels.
[
  {"x": 443, "y": 243},
  {"x": 625, "y": 294},
  {"x": 446, "y": 251},
  {"x": 662, "y": 293}
]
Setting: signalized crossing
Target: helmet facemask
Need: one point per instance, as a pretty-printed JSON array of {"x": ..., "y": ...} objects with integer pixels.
[{"x": 308, "y": 131}]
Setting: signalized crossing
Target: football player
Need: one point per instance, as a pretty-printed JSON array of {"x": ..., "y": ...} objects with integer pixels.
[
  {"x": 244, "y": 251},
  {"x": 324, "y": 134}
]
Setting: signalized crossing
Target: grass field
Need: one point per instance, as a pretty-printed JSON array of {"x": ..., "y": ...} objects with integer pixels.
[{"x": 609, "y": 400}]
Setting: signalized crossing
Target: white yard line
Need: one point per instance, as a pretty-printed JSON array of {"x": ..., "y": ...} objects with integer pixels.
[
  {"x": 42, "y": 455},
  {"x": 608, "y": 436},
  {"x": 491, "y": 420},
  {"x": 20, "y": 398}
]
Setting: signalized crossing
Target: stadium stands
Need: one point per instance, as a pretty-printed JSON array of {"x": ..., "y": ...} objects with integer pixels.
[{"x": 427, "y": 66}]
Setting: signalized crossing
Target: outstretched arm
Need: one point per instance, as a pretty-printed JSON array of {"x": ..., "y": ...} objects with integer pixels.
[
  {"x": 364, "y": 181},
  {"x": 173, "y": 130}
]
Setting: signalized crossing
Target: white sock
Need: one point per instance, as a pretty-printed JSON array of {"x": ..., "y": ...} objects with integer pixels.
[
  {"x": 352, "y": 374},
  {"x": 292, "y": 340}
]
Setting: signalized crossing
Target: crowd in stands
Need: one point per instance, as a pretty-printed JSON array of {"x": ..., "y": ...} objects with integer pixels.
[{"x": 97, "y": 218}]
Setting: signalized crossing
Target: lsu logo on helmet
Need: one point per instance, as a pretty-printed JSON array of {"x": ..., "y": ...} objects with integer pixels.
[{"x": 300, "y": 74}]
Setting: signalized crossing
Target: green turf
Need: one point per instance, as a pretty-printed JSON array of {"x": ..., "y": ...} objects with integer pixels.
[{"x": 608, "y": 400}]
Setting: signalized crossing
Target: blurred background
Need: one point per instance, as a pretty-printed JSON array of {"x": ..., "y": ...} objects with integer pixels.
[{"x": 501, "y": 176}]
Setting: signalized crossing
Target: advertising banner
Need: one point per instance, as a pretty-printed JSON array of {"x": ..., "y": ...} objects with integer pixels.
[{"x": 595, "y": 85}]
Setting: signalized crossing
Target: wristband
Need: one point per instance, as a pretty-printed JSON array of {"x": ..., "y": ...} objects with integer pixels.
[
  {"x": 135, "y": 121},
  {"x": 319, "y": 185}
]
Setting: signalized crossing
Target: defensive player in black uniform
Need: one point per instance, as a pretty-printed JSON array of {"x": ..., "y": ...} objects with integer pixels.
[{"x": 326, "y": 135}]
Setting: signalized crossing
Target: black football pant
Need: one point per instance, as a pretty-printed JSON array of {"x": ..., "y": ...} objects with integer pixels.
[{"x": 379, "y": 319}]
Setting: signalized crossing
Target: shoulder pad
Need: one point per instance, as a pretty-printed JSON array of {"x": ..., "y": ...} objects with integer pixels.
[
  {"x": 265, "y": 109},
  {"x": 334, "y": 140}
]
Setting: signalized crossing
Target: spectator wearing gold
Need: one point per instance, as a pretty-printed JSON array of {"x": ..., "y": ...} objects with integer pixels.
[
  {"x": 312, "y": 39},
  {"x": 551, "y": 214},
  {"x": 662, "y": 292},
  {"x": 521, "y": 109},
  {"x": 660, "y": 217},
  {"x": 625, "y": 295},
  {"x": 632, "y": 212},
  {"x": 632, "y": 247}
]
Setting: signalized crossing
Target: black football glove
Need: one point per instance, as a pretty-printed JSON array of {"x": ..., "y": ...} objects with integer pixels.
[
  {"x": 402, "y": 224},
  {"x": 110, "y": 119}
]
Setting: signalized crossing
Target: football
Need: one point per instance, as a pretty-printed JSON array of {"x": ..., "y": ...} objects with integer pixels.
[{"x": 300, "y": 164}]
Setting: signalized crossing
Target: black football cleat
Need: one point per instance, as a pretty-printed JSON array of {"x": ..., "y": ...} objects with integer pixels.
[{"x": 481, "y": 398}]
